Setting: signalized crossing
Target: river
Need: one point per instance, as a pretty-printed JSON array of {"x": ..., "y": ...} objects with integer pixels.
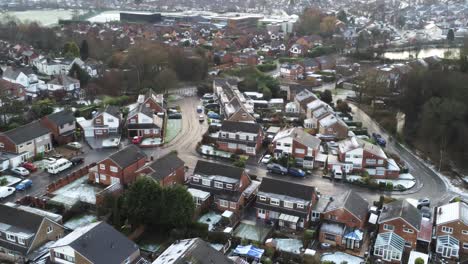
[{"x": 423, "y": 53}]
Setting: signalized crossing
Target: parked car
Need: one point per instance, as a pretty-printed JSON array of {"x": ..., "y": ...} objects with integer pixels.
[
  {"x": 76, "y": 160},
  {"x": 175, "y": 116},
  {"x": 29, "y": 166},
  {"x": 137, "y": 139},
  {"x": 74, "y": 145},
  {"x": 201, "y": 118},
  {"x": 200, "y": 109},
  {"x": 379, "y": 139},
  {"x": 426, "y": 212},
  {"x": 6, "y": 191},
  {"x": 20, "y": 171},
  {"x": 208, "y": 96},
  {"x": 23, "y": 185},
  {"x": 276, "y": 168},
  {"x": 266, "y": 159},
  {"x": 296, "y": 172},
  {"x": 424, "y": 202},
  {"x": 213, "y": 115}
]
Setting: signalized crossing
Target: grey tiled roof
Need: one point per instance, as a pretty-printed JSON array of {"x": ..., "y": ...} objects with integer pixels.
[
  {"x": 27, "y": 132},
  {"x": 401, "y": 209},
  {"x": 127, "y": 156}
]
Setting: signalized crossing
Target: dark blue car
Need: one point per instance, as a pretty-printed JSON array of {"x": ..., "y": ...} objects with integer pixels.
[
  {"x": 296, "y": 172},
  {"x": 24, "y": 185}
]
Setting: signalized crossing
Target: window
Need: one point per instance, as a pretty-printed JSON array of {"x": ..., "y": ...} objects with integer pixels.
[
  {"x": 300, "y": 151},
  {"x": 206, "y": 182},
  {"x": 465, "y": 232},
  {"x": 228, "y": 186},
  {"x": 465, "y": 245},
  {"x": 408, "y": 243},
  {"x": 218, "y": 185},
  {"x": 113, "y": 169},
  {"x": 147, "y": 131},
  {"x": 380, "y": 162},
  {"x": 278, "y": 144},
  {"x": 242, "y": 137},
  {"x": 371, "y": 161},
  {"x": 2, "y": 145},
  {"x": 407, "y": 230},
  {"x": 50, "y": 229},
  {"x": 223, "y": 203},
  {"x": 196, "y": 179},
  {"x": 288, "y": 204},
  {"x": 300, "y": 206},
  {"x": 447, "y": 229},
  {"x": 11, "y": 237},
  {"x": 315, "y": 215},
  {"x": 132, "y": 121},
  {"x": 329, "y": 237},
  {"x": 110, "y": 120},
  {"x": 261, "y": 211},
  {"x": 98, "y": 132},
  {"x": 102, "y": 166},
  {"x": 262, "y": 198},
  {"x": 286, "y": 144},
  {"x": 332, "y": 217},
  {"x": 388, "y": 227},
  {"x": 21, "y": 241},
  {"x": 233, "y": 205},
  {"x": 103, "y": 177},
  {"x": 274, "y": 202}
]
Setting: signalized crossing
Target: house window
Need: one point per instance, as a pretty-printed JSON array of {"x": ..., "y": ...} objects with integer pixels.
[
  {"x": 465, "y": 245},
  {"x": 288, "y": 204},
  {"x": 300, "y": 206},
  {"x": 408, "y": 230},
  {"x": 113, "y": 169},
  {"x": 329, "y": 237},
  {"x": 286, "y": 144},
  {"x": 274, "y": 202},
  {"x": 2, "y": 145},
  {"x": 147, "y": 131},
  {"x": 196, "y": 179},
  {"x": 103, "y": 177},
  {"x": 223, "y": 203},
  {"x": 50, "y": 229},
  {"x": 261, "y": 211},
  {"x": 102, "y": 166},
  {"x": 447, "y": 229},
  {"x": 11, "y": 237},
  {"x": 21, "y": 241},
  {"x": 262, "y": 198},
  {"x": 380, "y": 162},
  {"x": 278, "y": 144},
  {"x": 388, "y": 227},
  {"x": 132, "y": 121},
  {"x": 233, "y": 205},
  {"x": 315, "y": 215},
  {"x": 218, "y": 185},
  {"x": 465, "y": 232},
  {"x": 408, "y": 243},
  {"x": 98, "y": 121},
  {"x": 332, "y": 217},
  {"x": 242, "y": 137},
  {"x": 98, "y": 132},
  {"x": 110, "y": 120},
  {"x": 206, "y": 182},
  {"x": 300, "y": 151},
  {"x": 371, "y": 161},
  {"x": 228, "y": 186}
]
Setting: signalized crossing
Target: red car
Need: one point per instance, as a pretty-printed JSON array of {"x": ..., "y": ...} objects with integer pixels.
[
  {"x": 137, "y": 139},
  {"x": 29, "y": 166}
]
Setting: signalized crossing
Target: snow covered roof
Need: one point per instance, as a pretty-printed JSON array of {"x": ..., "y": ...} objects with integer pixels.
[{"x": 452, "y": 212}]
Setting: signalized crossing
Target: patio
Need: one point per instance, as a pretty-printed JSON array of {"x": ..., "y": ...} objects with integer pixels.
[
  {"x": 250, "y": 231},
  {"x": 77, "y": 191}
]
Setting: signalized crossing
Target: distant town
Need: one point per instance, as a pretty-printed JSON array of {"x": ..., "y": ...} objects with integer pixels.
[{"x": 212, "y": 132}]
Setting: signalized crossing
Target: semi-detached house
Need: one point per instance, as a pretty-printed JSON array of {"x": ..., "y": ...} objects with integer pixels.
[
  {"x": 147, "y": 118},
  {"x": 240, "y": 137},
  {"x": 451, "y": 231},
  {"x": 62, "y": 125}
]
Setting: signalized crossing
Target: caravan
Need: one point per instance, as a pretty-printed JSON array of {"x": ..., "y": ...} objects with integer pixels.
[{"x": 59, "y": 166}]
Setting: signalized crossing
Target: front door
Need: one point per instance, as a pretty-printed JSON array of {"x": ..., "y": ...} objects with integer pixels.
[
  {"x": 387, "y": 254},
  {"x": 349, "y": 243}
]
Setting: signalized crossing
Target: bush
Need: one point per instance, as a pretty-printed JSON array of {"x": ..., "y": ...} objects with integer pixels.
[
  {"x": 266, "y": 67},
  {"x": 418, "y": 261},
  {"x": 267, "y": 261},
  {"x": 309, "y": 235},
  {"x": 389, "y": 186},
  {"x": 269, "y": 252},
  {"x": 3, "y": 181},
  {"x": 244, "y": 242}
]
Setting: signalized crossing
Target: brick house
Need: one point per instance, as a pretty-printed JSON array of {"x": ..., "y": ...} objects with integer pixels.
[
  {"x": 28, "y": 140},
  {"x": 95, "y": 243},
  {"x": 105, "y": 123},
  {"x": 62, "y": 125},
  {"x": 451, "y": 231},
  {"x": 240, "y": 137},
  {"x": 291, "y": 71},
  {"x": 303, "y": 98},
  {"x": 22, "y": 232},
  {"x": 286, "y": 203},
  {"x": 332, "y": 128},
  {"x": 250, "y": 59},
  {"x": 120, "y": 167},
  {"x": 343, "y": 220},
  {"x": 11, "y": 89},
  {"x": 296, "y": 143},
  {"x": 147, "y": 118},
  {"x": 166, "y": 170},
  {"x": 230, "y": 187},
  {"x": 402, "y": 218}
]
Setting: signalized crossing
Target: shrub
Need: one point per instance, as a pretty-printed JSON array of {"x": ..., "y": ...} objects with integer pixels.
[
  {"x": 389, "y": 186},
  {"x": 267, "y": 261},
  {"x": 308, "y": 236},
  {"x": 3, "y": 181},
  {"x": 266, "y": 67},
  {"x": 244, "y": 242},
  {"x": 418, "y": 261},
  {"x": 269, "y": 252}
]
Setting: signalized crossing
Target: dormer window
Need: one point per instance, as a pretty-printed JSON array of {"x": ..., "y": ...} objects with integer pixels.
[
  {"x": 10, "y": 237},
  {"x": 218, "y": 185},
  {"x": 288, "y": 204},
  {"x": 206, "y": 182},
  {"x": 21, "y": 241},
  {"x": 262, "y": 198},
  {"x": 274, "y": 201}
]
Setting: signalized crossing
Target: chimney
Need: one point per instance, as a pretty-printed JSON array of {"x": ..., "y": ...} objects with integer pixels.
[{"x": 440, "y": 210}]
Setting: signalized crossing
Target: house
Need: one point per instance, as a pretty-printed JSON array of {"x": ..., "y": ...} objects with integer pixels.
[
  {"x": 15, "y": 76},
  {"x": 12, "y": 90},
  {"x": 451, "y": 231},
  {"x": 233, "y": 104},
  {"x": 297, "y": 143},
  {"x": 343, "y": 220},
  {"x": 22, "y": 232},
  {"x": 294, "y": 89},
  {"x": 194, "y": 250},
  {"x": 166, "y": 170},
  {"x": 314, "y": 116},
  {"x": 28, "y": 140},
  {"x": 55, "y": 66},
  {"x": 105, "y": 123},
  {"x": 227, "y": 185},
  {"x": 147, "y": 118},
  {"x": 240, "y": 137},
  {"x": 95, "y": 243},
  {"x": 250, "y": 59},
  {"x": 291, "y": 71},
  {"x": 310, "y": 41},
  {"x": 332, "y": 127},
  {"x": 303, "y": 98},
  {"x": 310, "y": 65},
  {"x": 389, "y": 247},
  {"x": 403, "y": 219},
  {"x": 120, "y": 167},
  {"x": 62, "y": 125},
  {"x": 63, "y": 82},
  {"x": 284, "y": 202},
  {"x": 297, "y": 50}
]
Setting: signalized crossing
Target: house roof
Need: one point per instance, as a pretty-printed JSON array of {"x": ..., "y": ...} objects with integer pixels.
[
  {"x": 111, "y": 110},
  {"x": 232, "y": 126},
  {"x": 210, "y": 168},
  {"x": 165, "y": 165},
  {"x": 452, "y": 212},
  {"x": 352, "y": 202},
  {"x": 99, "y": 243},
  {"x": 26, "y": 132},
  {"x": 401, "y": 209},
  {"x": 127, "y": 156},
  {"x": 193, "y": 250},
  {"x": 11, "y": 73},
  {"x": 61, "y": 118},
  {"x": 64, "y": 80},
  {"x": 298, "y": 134},
  {"x": 288, "y": 188}
]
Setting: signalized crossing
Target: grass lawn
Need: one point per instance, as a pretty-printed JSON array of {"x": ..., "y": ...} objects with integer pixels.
[{"x": 173, "y": 127}]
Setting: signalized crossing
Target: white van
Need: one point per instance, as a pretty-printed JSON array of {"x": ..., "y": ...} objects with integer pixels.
[{"x": 59, "y": 166}]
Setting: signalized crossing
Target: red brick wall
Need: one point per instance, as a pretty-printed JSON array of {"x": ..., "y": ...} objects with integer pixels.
[
  {"x": 100, "y": 119},
  {"x": 8, "y": 145},
  {"x": 297, "y": 145},
  {"x": 368, "y": 155},
  {"x": 344, "y": 217},
  {"x": 398, "y": 225},
  {"x": 177, "y": 177},
  {"x": 458, "y": 227},
  {"x": 126, "y": 175},
  {"x": 153, "y": 105}
]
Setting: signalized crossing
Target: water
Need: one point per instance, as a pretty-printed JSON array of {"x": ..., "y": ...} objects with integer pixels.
[{"x": 423, "y": 53}]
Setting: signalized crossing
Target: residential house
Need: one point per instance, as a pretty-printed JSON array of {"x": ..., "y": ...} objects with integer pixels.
[
  {"x": 250, "y": 59},
  {"x": 62, "y": 125},
  {"x": 303, "y": 98},
  {"x": 326, "y": 62},
  {"x": 12, "y": 90},
  {"x": 297, "y": 143},
  {"x": 229, "y": 186},
  {"x": 310, "y": 41},
  {"x": 286, "y": 203},
  {"x": 451, "y": 231},
  {"x": 105, "y": 123},
  {"x": 120, "y": 167},
  {"x": 22, "y": 232},
  {"x": 147, "y": 118},
  {"x": 389, "y": 247},
  {"x": 28, "y": 140},
  {"x": 193, "y": 250},
  {"x": 240, "y": 137},
  {"x": 297, "y": 50},
  {"x": 343, "y": 220},
  {"x": 95, "y": 243},
  {"x": 332, "y": 127},
  {"x": 310, "y": 66},
  {"x": 312, "y": 121},
  {"x": 233, "y": 104},
  {"x": 294, "y": 89},
  {"x": 403, "y": 219},
  {"x": 63, "y": 82},
  {"x": 166, "y": 170},
  {"x": 55, "y": 66},
  {"x": 291, "y": 71},
  {"x": 15, "y": 76}
]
